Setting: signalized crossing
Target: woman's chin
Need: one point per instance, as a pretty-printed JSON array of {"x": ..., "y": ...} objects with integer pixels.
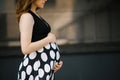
[{"x": 41, "y": 7}]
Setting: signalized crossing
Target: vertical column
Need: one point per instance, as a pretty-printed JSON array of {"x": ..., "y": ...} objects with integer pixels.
[
  {"x": 12, "y": 28},
  {"x": 2, "y": 21},
  {"x": 64, "y": 24}
]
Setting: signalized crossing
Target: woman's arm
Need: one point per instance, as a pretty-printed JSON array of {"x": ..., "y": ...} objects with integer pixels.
[{"x": 26, "y": 26}]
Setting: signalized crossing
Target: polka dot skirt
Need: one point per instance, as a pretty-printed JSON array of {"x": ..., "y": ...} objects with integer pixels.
[{"x": 39, "y": 65}]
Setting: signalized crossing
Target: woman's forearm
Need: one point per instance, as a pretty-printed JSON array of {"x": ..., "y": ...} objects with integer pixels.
[{"x": 34, "y": 46}]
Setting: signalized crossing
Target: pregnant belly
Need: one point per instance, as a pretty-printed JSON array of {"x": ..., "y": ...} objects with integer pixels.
[
  {"x": 53, "y": 46},
  {"x": 52, "y": 50}
]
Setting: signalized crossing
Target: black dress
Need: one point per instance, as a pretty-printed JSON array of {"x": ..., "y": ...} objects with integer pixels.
[{"x": 38, "y": 65}]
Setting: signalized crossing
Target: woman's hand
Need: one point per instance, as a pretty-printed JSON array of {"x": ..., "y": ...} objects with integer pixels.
[
  {"x": 57, "y": 66},
  {"x": 51, "y": 37}
]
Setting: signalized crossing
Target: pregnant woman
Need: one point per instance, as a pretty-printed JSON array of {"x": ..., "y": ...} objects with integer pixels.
[{"x": 41, "y": 53}]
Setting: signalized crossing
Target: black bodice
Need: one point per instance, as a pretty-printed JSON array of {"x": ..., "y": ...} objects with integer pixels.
[{"x": 40, "y": 28}]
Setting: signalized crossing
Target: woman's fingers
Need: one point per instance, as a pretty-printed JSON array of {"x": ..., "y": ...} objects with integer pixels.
[
  {"x": 51, "y": 37},
  {"x": 60, "y": 63},
  {"x": 58, "y": 66}
]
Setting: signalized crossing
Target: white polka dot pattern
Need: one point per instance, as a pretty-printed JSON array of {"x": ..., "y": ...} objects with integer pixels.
[
  {"x": 41, "y": 50},
  {"x": 29, "y": 69},
  {"x": 37, "y": 78},
  {"x": 57, "y": 47},
  {"x": 55, "y": 63},
  {"x": 51, "y": 64},
  {"x": 53, "y": 45},
  {"x": 36, "y": 65},
  {"x": 32, "y": 55},
  {"x": 20, "y": 66},
  {"x": 18, "y": 76},
  {"x": 52, "y": 54},
  {"x": 47, "y": 68},
  {"x": 23, "y": 75},
  {"x": 41, "y": 73},
  {"x": 44, "y": 57},
  {"x": 57, "y": 55},
  {"x": 47, "y": 46},
  {"x": 41, "y": 62},
  {"x": 31, "y": 77},
  {"x": 52, "y": 77},
  {"x": 25, "y": 56},
  {"x": 48, "y": 77},
  {"x": 25, "y": 63}
]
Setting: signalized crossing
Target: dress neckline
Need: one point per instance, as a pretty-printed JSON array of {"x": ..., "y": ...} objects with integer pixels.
[
  {"x": 39, "y": 17},
  {"x": 36, "y": 15}
]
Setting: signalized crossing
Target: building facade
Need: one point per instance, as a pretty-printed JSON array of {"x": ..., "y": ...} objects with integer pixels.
[{"x": 73, "y": 21}]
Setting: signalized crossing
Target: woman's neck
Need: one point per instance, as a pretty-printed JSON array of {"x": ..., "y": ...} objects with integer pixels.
[{"x": 33, "y": 8}]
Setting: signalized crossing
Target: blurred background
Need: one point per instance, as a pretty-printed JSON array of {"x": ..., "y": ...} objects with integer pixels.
[{"x": 88, "y": 34}]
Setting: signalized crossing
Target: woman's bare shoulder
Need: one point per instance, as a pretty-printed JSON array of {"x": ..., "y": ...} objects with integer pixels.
[
  {"x": 26, "y": 16},
  {"x": 26, "y": 20}
]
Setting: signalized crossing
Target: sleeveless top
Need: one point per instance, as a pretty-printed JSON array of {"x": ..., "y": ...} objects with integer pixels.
[{"x": 40, "y": 28}]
